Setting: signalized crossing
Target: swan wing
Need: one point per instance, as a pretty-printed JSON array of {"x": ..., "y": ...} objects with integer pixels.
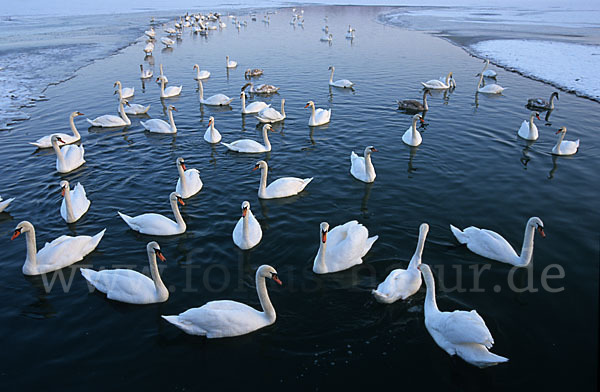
[
  {"x": 66, "y": 250},
  {"x": 256, "y": 107},
  {"x": 462, "y": 327},
  {"x": 490, "y": 244},
  {"x": 399, "y": 284},
  {"x": 108, "y": 120},
  {"x": 245, "y": 145},
  {"x": 157, "y": 125},
  {"x": 123, "y": 285},
  {"x": 357, "y": 168},
  {"x": 286, "y": 186},
  {"x": 153, "y": 224}
]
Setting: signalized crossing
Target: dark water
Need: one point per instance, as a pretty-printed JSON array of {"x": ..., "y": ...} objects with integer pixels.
[{"x": 330, "y": 333}]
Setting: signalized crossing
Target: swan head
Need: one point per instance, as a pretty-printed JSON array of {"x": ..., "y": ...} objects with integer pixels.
[
  {"x": 537, "y": 115},
  {"x": 268, "y": 127},
  {"x": 21, "y": 228},
  {"x": 246, "y": 85},
  {"x": 245, "y": 208},
  {"x": 537, "y": 223},
  {"x": 370, "y": 149},
  {"x": 309, "y": 103},
  {"x": 56, "y": 139},
  {"x": 266, "y": 271},
  {"x": 171, "y": 107},
  {"x": 75, "y": 114},
  {"x": 154, "y": 247},
  {"x": 419, "y": 118},
  {"x": 196, "y": 66},
  {"x": 562, "y": 130},
  {"x": 176, "y": 197},
  {"x": 64, "y": 187},
  {"x": 554, "y": 94},
  {"x": 260, "y": 165},
  {"x": 117, "y": 83},
  {"x": 181, "y": 162},
  {"x": 211, "y": 121},
  {"x": 324, "y": 230},
  {"x": 331, "y": 68},
  {"x": 423, "y": 229}
]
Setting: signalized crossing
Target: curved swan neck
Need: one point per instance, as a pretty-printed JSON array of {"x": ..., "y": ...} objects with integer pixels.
[
  {"x": 263, "y": 180},
  {"x": 414, "y": 127},
  {"x": 178, "y": 217},
  {"x": 173, "y": 127},
  {"x": 123, "y": 114},
  {"x": 263, "y": 296},
  {"x": 69, "y": 205},
  {"x": 266, "y": 139},
  {"x": 527, "y": 249},
  {"x": 31, "y": 247},
  {"x": 448, "y": 78},
  {"x": 560, "y": 139},
  {"x": 154, "y": 272},
  {"x": 181, "y": 175},
  {"x": 416, "y": 259},
  {"x": 73, "y": 128},
  {"x": 552, "y": 101},
  {"x": 58, "y": 151},
  {"x": 430, "y": 300},
  {"x": 480, "y": 80},
  {"x": 425, "y": 106}
]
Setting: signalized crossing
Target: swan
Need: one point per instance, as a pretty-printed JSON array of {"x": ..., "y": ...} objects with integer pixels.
[
  {"x": 168, "y": 42},
  {"x": 75, "y": 203},
  {"x": 247, "y": 232},
  {"x": 459, "y": 332},
  {"x": 252, "y": 73},
  {"x": 45, "y": 141},
  {"x": 414, "y": 105},
  {"x": 162, "y": 76},
  {"x": 126, "y": 92},
  {"x": 282, "y": 187},
  {"x": 189, "y": 182},
  {"x": 253, "y": 107},
  {"x": 342, "y": 247},
  {"x": 61, "y": 252},
  {"x": 436, "y": 84},
  {"x": 402, "y": 283},
  {"x": 220, "y": 319},
  {"x": 129, "y": 286},
  {"x": 350, "y": 35},
  {"x": 68, "y": 158},
  {"x": 5, "y": 203},
  {"x": 487, "y": 73},
  {"x": 412, "y": 137},
  {"x": 342, "y": 83},
  {"x": 270, "y": 115},
  {"x": 492, "y": 245},
  {"x": 145, "y": 74},
  {"x": 110, "y": 120},
  {"x": 168, "y": 92},
  {"x": 201, "y": 75},
  {"x": 528, "y": 130},
  {"x": 564, "y": 147},
  {"x": 318, "y": 116},
  {"x": 251, "y": 146},
  {"x": 261, "y": 88},
  {"x": 134, "y": 108},
  {"x": 150, "y": 33},
  {"x": 212, "y": 135},
  {"x": 230, "y": 63},
  {"x": 170, "y": 31},
  {"x": 156, "y": 224},
  {"x": 157, "y": 125},
  {"x": 362, "y": 168},
  {"x": 490, "y": 88},
  {"x": 541, "y": 103},
  {"x": 327, "y": 37},
  {"x": 214, "y": 100},
  {"x": 149, "y": 48}
]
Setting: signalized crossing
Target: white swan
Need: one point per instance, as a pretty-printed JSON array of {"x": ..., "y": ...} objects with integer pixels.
[
  {"x": 342, "y": 83},
  {"x": 253, "y": 107},
  {"x": 402, "y": 283},
  {"x": 126, "y": 92},
  {"x": 436, "y": 84},
  {"x": 150, "y": 33},
  {"x": 492, "y": 245},
  {"x": 45, "y": 141},
  {"x": 327, "y": 37},
  {"x": 170, "y": 91},
  {"x": 110, "y": 120},
  {"x": 214, "y": 100},
  {"x": 230, "y": 63},
  {"x": 162, "y": 76},
  {"x": 541, "y": 103},
  {"x": 129, "y": 286},
  {"x": 60, "y": 253},
  {"x": 157, "y": 125},
  {"x": 362, "y": 168},
  {"x": 251, "y": 146},
  {"x": 341, "y": 248},
  {"x": 5, "y": 203},
  {"x": 529, "y": 130},
  {"x": 149, "y": 48},
  {"x": 318, "y": 116},
  {"x": 412, "y": 136},
  {"x": 189, "y": 182},
  {"x": 247, "y": 232},
  {"x": 75, "y": 202},
  {"x": 201, "y": 75},
  {"x": 168, "y": 42},
  {"x": 489, "y": 88},
  {"x": 487, "y": 73},
  {"x": 270, "y": 115},
  {"x": 281, "y": 187},
  {"x": 460, "y": 332},
  {"x": 156, "y": 224},
  {"x": 68, "y": 158},
  {"x": 220, "y": 319},
  {"x": 564, "y": 147},
  {"x": 212, "y": 135},
  {"x": 145, "y": 73}
]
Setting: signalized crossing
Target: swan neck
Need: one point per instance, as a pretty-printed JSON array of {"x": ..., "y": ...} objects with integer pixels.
[
  {"x": 283, "y": 108},
  {"x": 155, "y": 273},
  {"x": 527, "y": 250},
  {"x": 123, "y": 114},
  {"x": 414, "y": 128},
  {"x": 246, "y": 227},
  {"x": 243, "y": 102},
  {"x": 430, "y": 300},
  {"x": 265, "y": 301},
  {"x": 552, "y": 101},
  {"x": 173, "y": 127},
  {"x": 73, "y": 128},
  {"x": 331, "y": 77},
  {"x": 480, "y": 80},
  {"x": 58, "y": 152},
  {"x": 266, "y": 139},
  {"x": 69, "y": 205},
  {"x": 263, "y": 181},
  {"x": 31, "y": 247},
  {"x": 416, "y": 259},
  {"x": 560, "y": 139},
  {"x": 321, "y": 254},
  {"x": 425, "y": 106},
  {"x": 177, "y": 213},
  {"x": 368, "y": 164},
  {"x": 201, "y": 88},
  {"x": 181, "y": 175}
]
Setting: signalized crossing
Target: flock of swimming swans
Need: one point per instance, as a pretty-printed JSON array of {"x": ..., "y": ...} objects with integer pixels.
[{"x": 341, "y": 247}]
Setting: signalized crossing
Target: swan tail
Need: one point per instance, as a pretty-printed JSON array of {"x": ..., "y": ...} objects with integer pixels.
[
  {"x": 89, "y": 275},
  {"x": 460, "y": 236},
  {"x": 307, "y": 181},
  {"x": 38, "y": 145},
  {"x": 381, "y": 297},
  {"x": 143, "y": 123},
  {"x": 229, "y": 146},
  {"x": 369, "y": 244},
  {"x": 228, "y": 102},
  {"x": 478, "y": 355},
  {"x": 90, "y": 121},
  {"x": 126, "y": 218},
  {"x": 187, "y": 328},
  {"x": 96, "y": 240}
]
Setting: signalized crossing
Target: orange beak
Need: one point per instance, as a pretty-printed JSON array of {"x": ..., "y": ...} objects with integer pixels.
[
  {"x": 80, "y": 114},
  {"x": 244, "y": 212},
  {"x": 62, "y": 191},
  {"x": 422, "y": 121},
  {"x": 16, "y": 234},
  {"x": 180, "y": 200},
  {"x": 559, "y": 131},
  {"x": 276, "y": 279},
  {"x": 210, "y": 122},
  {"x": 307, "y": 105},
  {"x": 183, "y": 167},
  {"x": 538, "y": 117},
  {"x": 60, "y": 140},
  {"x": 374, "y": 149},
  {"x": 324, "y": 237},
  {"x": 255, "y": 167},
  {"x": 160, "y": 255},
  {"x": 541, "y": 230}
]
